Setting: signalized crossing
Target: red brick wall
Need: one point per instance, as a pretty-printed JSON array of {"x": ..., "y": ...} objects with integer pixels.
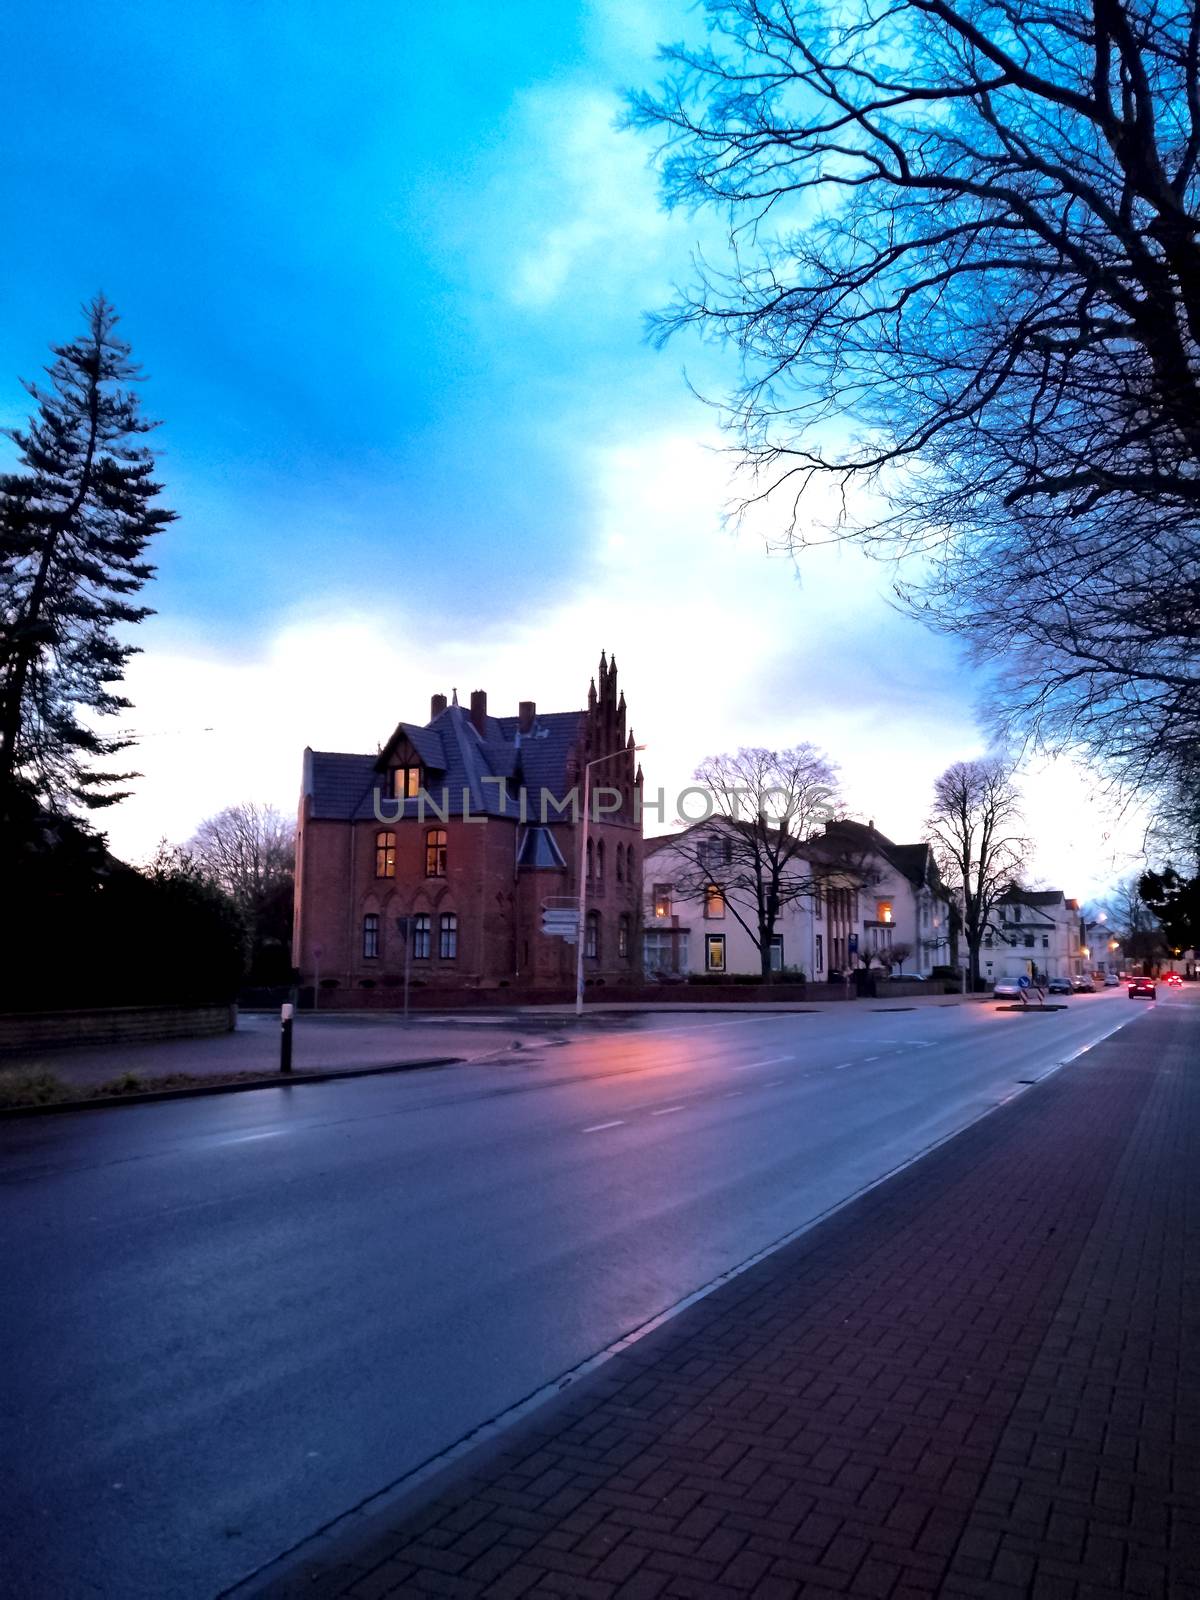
[{"x": 500, "y": 940}]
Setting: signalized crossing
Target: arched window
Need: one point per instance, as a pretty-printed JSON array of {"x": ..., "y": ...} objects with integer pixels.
[
  {"x": 620, "y": 863},
  {"x": 435, "y": 852},
  {"x": 385, "y": 855},
  {"x": 591, "y": 855},
  {"x": 591, "y": 943},
  {"x": 421, "y": 937},
  {"x": 599, "y": 860},
  {"x": 371, "y": 936},
  {"x": 623, "y": 938}
]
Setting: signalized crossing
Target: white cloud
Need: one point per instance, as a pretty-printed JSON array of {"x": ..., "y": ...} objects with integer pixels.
[{"x": 588, "y": 222}]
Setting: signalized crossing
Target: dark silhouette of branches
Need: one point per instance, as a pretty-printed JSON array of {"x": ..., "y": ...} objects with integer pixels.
[{"x": 964, "y": 274}]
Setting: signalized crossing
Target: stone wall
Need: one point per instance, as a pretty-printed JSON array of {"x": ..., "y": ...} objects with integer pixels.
[{"x": 54, "y": 1030}]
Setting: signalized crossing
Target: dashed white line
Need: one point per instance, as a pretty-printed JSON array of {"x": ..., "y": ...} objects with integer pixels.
[
  {"x": 731, "y": 1094},
  {"x": 842, "y": 1065},
  {"x": 665, "y": 1111},
  {"x": 872, "y": 1058},
  {"x": 771, "y": 1061},
  {"x": 599, "y": 1127}
]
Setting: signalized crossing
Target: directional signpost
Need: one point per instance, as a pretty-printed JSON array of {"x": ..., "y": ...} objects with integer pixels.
[{"x": 561, "y": 923}]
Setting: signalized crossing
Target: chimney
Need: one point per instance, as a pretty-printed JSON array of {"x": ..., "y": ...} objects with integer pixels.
[
  {"x": 479, "y": 711},
  {"x": 526, "y": 712},
  {"x": 436, "y": 706}
]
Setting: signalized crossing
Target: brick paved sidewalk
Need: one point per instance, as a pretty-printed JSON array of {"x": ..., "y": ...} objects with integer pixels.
[{"x": 978, "y": 1379}]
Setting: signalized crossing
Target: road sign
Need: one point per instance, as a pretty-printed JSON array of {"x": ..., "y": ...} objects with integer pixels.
[
  {"x": 561, "y": 924},
  {"x": 1022, "y": 982}
]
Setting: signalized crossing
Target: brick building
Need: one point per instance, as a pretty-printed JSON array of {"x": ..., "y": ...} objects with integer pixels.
[{"x": 470, "y": 825}]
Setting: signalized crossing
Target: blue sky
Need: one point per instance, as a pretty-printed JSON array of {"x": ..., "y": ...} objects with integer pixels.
[{"x": 386, "y": 266}]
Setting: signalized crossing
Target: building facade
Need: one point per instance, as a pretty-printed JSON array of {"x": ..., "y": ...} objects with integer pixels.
[
  {"x": 691, "y": 927},
  {"x": 889, "y": 897},
  {"x": 442, "y": 853},
  {"x": 1035, "y": 933},
  {"x": 858, "y": 900}
]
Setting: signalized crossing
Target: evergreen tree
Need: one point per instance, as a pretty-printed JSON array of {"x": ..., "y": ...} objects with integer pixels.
[{"x": 74, "y": 526}]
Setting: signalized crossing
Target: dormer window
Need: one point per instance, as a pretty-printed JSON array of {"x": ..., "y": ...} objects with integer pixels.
[{"x": 406, "y": 783}]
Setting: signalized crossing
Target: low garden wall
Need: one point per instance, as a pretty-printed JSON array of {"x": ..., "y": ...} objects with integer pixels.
[
  {"x": 52, "y": 1030},
  {"x": 428, "y": 998}
]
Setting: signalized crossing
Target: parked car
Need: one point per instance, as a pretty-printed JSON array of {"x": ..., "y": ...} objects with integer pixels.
[
  {"x": 1060, "y": 986},
  {"x": 1006, "y": 989},
  {"x": 1111, "y": 981},
  {"x": 1082, "y": 984},
  {"x": 1144, "y": 987},
  {"x": 905, "y": 977}
]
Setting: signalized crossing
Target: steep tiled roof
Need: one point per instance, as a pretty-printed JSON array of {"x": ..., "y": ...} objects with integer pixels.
[
  {"x": 913, "y": 861},
  {"x": 456, "y": 758},
  {"x": 1015, "y": 895}
]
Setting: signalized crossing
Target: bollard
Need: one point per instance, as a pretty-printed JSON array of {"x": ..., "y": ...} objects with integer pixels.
[{"x": 285, "y": 1038}]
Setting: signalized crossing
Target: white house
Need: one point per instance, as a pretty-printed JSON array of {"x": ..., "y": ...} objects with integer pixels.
[
  {"x": 1035, "y": 932},
  {"x": 859, "y": 897},
  {"x": 686, "y": 931},
  {"x": 902, "y": 902}
]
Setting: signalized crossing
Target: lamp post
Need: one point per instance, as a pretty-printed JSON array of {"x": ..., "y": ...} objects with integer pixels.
[{"x": 583, "y": 844}]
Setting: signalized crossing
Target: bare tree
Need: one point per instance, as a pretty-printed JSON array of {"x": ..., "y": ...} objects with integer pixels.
[
  {"x": 751, "y": 857},
  {"x": 897, "y": 955},
  {"x": 249, "y": 850},
  {"x": 974, "y": 830},
  {"x": 964, "y": 272}
]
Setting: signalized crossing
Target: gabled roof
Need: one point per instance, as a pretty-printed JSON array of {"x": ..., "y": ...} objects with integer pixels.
[
  {"x": 456, "y": 758},
  {"x": 1015, "y": 895},
  {"x": 913, "y": 861}
]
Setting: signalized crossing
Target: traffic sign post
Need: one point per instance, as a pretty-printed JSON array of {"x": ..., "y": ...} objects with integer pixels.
[{"x": 404, "y": 927}]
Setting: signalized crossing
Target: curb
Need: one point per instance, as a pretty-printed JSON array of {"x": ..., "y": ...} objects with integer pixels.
[{"x": 196, "y": 1091}]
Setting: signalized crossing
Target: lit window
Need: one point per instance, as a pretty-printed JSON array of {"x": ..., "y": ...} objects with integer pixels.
[
  {"x": 448, "y": 937},
  {"x": 883, "y": 911},
  {"x": 385, "y": 855},
  {"x": 420, "y": 938},
  {"x": 406, "y": 782},
  {"x": 435, "y": 852},
  {"x": 662, "y": 899},
  {"x": 714, "y": 903},
  {"x": 591, "y": 943},
  {"x": 371, "y": 936},
  {"x": 714, "y": 952}
]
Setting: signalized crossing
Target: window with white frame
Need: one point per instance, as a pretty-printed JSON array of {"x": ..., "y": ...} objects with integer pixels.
[
  {"x": 448, "y": 936},
  {"x": 714, "y": 952}
]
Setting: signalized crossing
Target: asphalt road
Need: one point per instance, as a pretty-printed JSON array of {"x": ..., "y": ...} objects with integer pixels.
[{"x": 229, "y": 1321}]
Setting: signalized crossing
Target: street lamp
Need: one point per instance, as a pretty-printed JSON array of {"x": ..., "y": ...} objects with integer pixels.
[{"x": 583, "y": 843}]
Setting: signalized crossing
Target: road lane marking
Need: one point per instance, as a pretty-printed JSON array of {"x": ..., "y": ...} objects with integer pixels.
[
  {"x": 842, "y": 1065},
  {"x": 731, "y": 1094},
  {"x": 599, "y": 1127},
  {"x": 666, "y": 1111},
  {"x": 872, "y": 1058},
  {"x": 246, "y": 1138},
  {"x": 773, "y": 1083},
  {"x": 771, "y": 1061}
]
